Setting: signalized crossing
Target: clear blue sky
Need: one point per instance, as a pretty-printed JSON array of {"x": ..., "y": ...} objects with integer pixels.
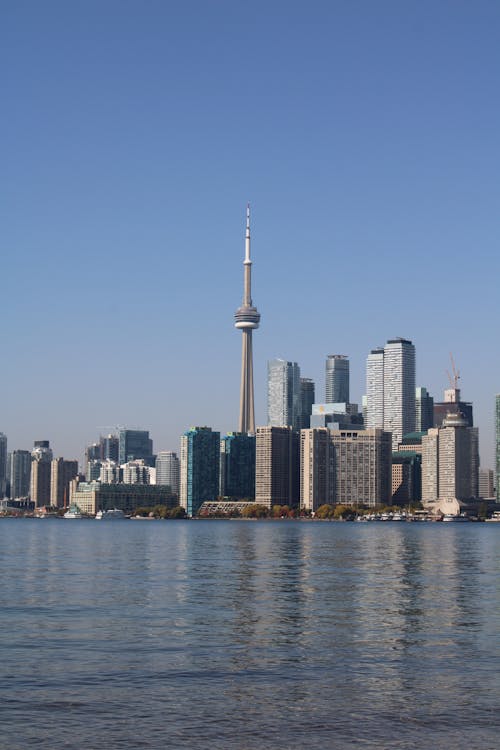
[{"x": 364, "y": 134}]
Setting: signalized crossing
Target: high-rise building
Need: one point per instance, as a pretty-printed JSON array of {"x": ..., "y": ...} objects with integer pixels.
[
  {"x": 337, "y": 379},
  {"x": 283, "y": 394},
  {"x": 3, "y": 464},
  {"x": 497, "y": 446},
  {"x": 168, "y": 470},
  {"x": 19, "y": 474},
  {"x": 390, "y": 386},
  {"x": 41, "y": 459},
  {"x": 200, "y": 461},
  {"x": 337, "y": 416},
  {"x": 137, "y": 472},
  {"x": 347, "y": 467},
  {"x": 246, "y": 320},
  {"x": 135, "y": 444},
  {"x": 110, "y": 448},
  {"x": 406, "y": 477},
  {"x": 109, "y": 473},
  {"x": 306, "y": 402},
  {"x": 61, "y": 474},
  {"x": 277, "y": 470},
  {"x": 486, "y": 483},
  {"x": 375, "y": 389},
  {"x": 450, "y": 454},
  {"x": 93, "y": 470},
  {"x": 453, "y": 404},
  {"x": 93, "y": 452},
  {"x": 424, "y": 410},
  {"x": 237, "y": 466}
]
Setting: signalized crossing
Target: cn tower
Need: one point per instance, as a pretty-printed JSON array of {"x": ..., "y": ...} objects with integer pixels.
[{"x": 247, "y": 318}]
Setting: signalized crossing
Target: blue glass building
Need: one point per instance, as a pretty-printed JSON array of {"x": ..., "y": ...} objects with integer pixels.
[{"x": 200, "y": 450}]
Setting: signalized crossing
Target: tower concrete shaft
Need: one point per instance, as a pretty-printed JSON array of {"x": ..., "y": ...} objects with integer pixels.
[{"x": 246, "y": 319}]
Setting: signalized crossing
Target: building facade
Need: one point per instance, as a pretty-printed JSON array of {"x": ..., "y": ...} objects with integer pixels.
[
  {"x": 307, "y": 393},
  {"x": 337, "y": 379},
  {"x": 237, "y": 466},
  {"x": 135, "y": 444},
  {"x": 277, "y": 469},
  {"x": 283, "y": 394},
  {"x": 168, "y": 471},
  {"x": 41, "y": 459},
  {"x": 424, "y": 410},
  {"x": 200, "y": 462},
  {"x": 375, "y": 389},
  {"x": 497, "y": 446},
  {"x": 61, "y": 474},
  {"x": 3, "y": 465},
  {"x": 19, "y": 474}
]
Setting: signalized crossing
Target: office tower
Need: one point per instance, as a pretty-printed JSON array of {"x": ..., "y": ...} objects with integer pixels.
[
  {"x": 424, "y": 410},
  {"x": 450, "y": 464},
  {"x": 347, "y": 467},
  {"x": 19, "y": 474},
  {"x": 486, "y": 483},
  {"x": 497, "y": 446},
  {"x": 93, "y": 470},
  {"x": 283, "y": 394},
  {"x": 109, "y": 473},
  {"x": 93, "y": 452},
  {"x": 375, "y": 389},
  {"x": 277, "y": 469},
  {"x": 337, "y": 379},
  {"x": 135, "y": 444},
  {"x": 61, "y": 474},
  {"x": 246, "y": 319},
  {"x": 41, "y": 458},
  {"x": 336, "y": 416},
  {"x": 237, "y": 466},
  {"x": 3, "y": 465},
  {"x": 109, "y": 448},
  {"x": 306, "y": 402},
  {"x": 200, "y": 459},
  {"x": 168, "y": 470},
  {"x": 406, "y": 477}
]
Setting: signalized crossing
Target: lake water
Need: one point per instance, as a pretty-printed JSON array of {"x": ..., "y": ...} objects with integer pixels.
[{"x": 246, "y": 635}]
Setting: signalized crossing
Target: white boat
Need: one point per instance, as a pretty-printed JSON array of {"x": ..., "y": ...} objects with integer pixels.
[
  {"x": 494, "y": 518},
  {"x": 109, "y": 515},
  {"x": 451, "y": 517},
  {"x": 73, "y": 512}
]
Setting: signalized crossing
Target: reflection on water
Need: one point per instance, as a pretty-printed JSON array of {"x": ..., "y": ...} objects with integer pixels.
[{"x": 249, "y": 635}]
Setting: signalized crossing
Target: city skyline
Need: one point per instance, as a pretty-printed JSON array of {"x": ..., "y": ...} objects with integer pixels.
[{"x": 373, "y": 182}]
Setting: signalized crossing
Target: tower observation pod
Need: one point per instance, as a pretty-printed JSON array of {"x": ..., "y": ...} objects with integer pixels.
[{"x": 246, "y": 318}]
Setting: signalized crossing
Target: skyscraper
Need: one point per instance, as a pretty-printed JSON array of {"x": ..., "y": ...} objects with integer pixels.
[
  {"x": 283, "y": 394},
  {"x": 277, "y": 469},
  {"x": 337, "y": 379},
  {"x": 497, "y": 438},
  {"x": 306, "y": 402},
  {"x": 390, "y": 388},
  {"x": 135, "y": 444},
  {"x": 61, "y": 474},
  {"x": 20, "y": 472},
  {"x": 246, "y": 319},
  {"x": 200, "y": 458},
  {"x": 424, "y": 410},
  {"x": 41, "y": 458},
  {"x": 168, "y": 470}
]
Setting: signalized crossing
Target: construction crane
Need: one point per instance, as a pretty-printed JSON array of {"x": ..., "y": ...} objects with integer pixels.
[{"x": 456, "y": 374}]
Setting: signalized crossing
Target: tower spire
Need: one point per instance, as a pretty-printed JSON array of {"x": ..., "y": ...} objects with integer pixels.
[{"x": 247, "y": 318}]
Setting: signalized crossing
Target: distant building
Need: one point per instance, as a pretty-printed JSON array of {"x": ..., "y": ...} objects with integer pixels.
[
  {"x": 348, "y": 467},
  {"x": 375, "y": 389},
  {"x": 283, "y": 394},
  {"x": 93, "y": 469},
  {"x": 109, "y": 473},
  {"x": 486, "y": 483},
  {"x": 19, "y": 474},
  {"x": 3, "y": 465},
  {"x": 93, "y": 496},
  {"x": 168, "y": 471},
  {"x": 200, "y": 459},
  {"x": 450, "y": 464},
  {"x": 336, "y": 416},
  {"x": 110, "y": 449},
  {"x": 306, "y": 402},
  {"x": 277, "y": 470},
  {"x": 424, "y": 410},
  {"x": 93, "y": 452},
  {"x": 135, "y": 444},
  {"x": 406, "y": 477},
  {"x": 61, "y": 474},
  {"x": 497, "y": 446},
  {"x": 337, "y": 379},
  {"x": 453, "y": 404},
  {"x": 41, "y": 459},
  {"x": 237, "y": 466},
  {"x": 137, "y": 472}
]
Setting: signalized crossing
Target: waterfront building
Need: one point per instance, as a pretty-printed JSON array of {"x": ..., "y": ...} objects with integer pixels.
[
  {"x": 200, "y": 461},
  {"x": 486, "y": 483},
  {"x": 406, "y": 477},
  {"x": 277, "y": 469},
  {"x": 62, "y": 472},
  {"x": 237, "y": 466},
  {"x": 19, "y": 474},
  {"x": 168, "y": 471},
  {"x": 450, "y": 454},
  {"x": 247, "y": 318},
  {"x": 348, "y": 467},
  {"x": 306, "y": 402},
  {"x": 41, "y": 459},
  {"x": 283, "y": 394},
  {"x": 135, "y": 444},
  {"x": 337, "y": 379},
  {"x": 93, "y": 496},
  {"x": 3, "y": 465},
  {"x": 424, "y": 410}
]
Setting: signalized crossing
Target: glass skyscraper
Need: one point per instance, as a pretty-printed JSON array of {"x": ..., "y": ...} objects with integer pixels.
[
  {"x": 337, "y": 379},
  {"x": 283, "y": 394},
  {"x": 497, "y": 437},
  {"x": 237, "y": 466},
  {"x": 133, "y": 444},
  {"x": 200, "y": 451}
]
